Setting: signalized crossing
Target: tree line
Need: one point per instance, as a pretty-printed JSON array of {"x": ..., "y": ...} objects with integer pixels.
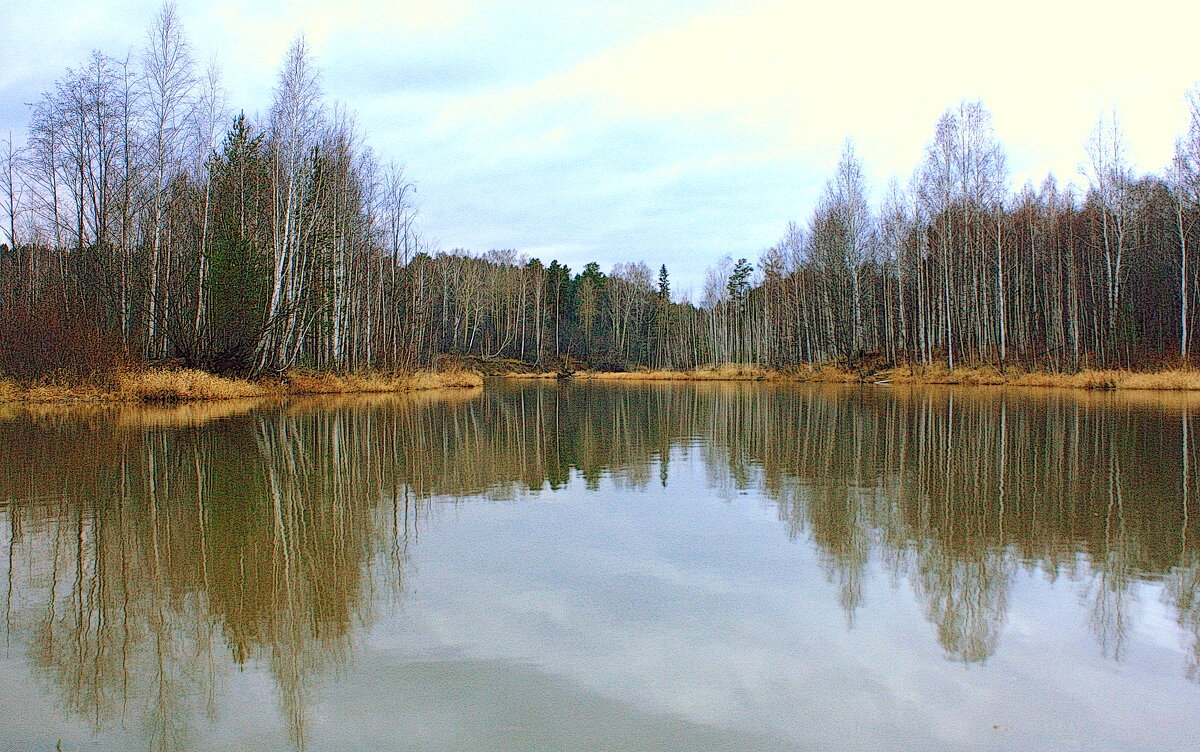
[{"x": 144, "y": 220}]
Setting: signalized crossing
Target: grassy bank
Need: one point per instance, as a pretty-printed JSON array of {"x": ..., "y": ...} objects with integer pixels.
[
  {"x": 711, "y": 373},
  {"x": 186, "y": 385},
  {"x": 730, "y": 372},
  {"x": 1163, "y": 380},
  {"x": 1171, "y": 380}
]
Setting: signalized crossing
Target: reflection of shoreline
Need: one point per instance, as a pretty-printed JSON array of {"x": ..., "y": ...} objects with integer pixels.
[
  {"x": 935, "y": 374},
  {"x": 264, "y": 528},
  {"x": 1164, "y": 399},
  {"x": 200, "y": 412}
]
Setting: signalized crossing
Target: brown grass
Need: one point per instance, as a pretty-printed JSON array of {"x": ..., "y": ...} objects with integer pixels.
[
  {"x": 938, "y": 373},
  {"x": 531, "y": 375},
  {"x": 727, "y": 372},
  {"x": 732, "y": 372},
  {"x": 9, "y": 390},
  {"x": 188, "y": 385},
  {"x": 331, "y": 383},
  {"x": 183, "y": 385},
  {"x": 1169, "y": 380}
]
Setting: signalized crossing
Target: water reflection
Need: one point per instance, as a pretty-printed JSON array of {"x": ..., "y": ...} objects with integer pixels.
[{"x": 149, "y": 553}]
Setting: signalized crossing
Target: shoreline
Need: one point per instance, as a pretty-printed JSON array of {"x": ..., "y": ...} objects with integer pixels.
[
  {"x": 161, "y": 386},
  {"x": 1172, "y": 379},
  {"x": 174, "y": 386}
]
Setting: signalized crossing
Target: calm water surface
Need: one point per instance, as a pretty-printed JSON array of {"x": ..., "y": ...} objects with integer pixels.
[{"x": 584, "y": 567}]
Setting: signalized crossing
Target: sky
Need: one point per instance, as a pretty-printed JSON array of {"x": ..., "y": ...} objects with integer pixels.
[{"x": 672, "y": 132}]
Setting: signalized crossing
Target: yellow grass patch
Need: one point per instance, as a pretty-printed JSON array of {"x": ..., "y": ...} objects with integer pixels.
[
  {"x": 9, "y": 391},
  {"x": 732, "y": 372},
  {"x": 936, "y": 373},
  {"x": 823, "y": 375},
  {"x": 332, "y": 383},
  {"x": 442, "y": 380},
  {"x": 532, "y": 375},
  {"x": 63, "y": 392},
  {"x": 189, "y": 385},
  {"x": 1176, "y": 380},
  {"x": 728, "y": 372},
  {"x": 182, "y": 385},
  {"x": 1172, "y": 380}
]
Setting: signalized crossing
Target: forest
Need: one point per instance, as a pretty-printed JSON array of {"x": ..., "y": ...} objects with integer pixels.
[{"x": 145, "y": 220}]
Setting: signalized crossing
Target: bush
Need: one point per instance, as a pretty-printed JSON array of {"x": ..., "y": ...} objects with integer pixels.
[{"x": 47, "y": 338}]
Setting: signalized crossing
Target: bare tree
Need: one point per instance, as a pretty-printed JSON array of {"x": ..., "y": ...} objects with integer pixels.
[
  {"x": 1110, "y": 177},
  {"x": 1183, "y": 176},
  {"x": 296, "y": 117},
  {"x": 169, "y": 83}
]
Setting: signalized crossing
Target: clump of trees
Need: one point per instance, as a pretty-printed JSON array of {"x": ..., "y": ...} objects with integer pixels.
[
  {"x": 141, "y": 207},
  {"x": 145, "y": 220},
  {"x": 956, "y": 268}
]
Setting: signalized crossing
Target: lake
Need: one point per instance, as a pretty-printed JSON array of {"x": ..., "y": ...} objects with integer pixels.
[{"x": 584, "y": 566}]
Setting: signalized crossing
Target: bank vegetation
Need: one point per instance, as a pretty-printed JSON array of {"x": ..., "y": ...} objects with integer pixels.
[{"x": 186, "y": 384}]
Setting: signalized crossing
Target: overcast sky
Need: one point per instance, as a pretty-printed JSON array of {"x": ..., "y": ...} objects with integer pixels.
[{"x": 675, "y": 131}]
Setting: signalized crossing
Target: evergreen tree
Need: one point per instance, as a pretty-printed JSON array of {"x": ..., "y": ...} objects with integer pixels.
[{"x": 239, "y": 263}]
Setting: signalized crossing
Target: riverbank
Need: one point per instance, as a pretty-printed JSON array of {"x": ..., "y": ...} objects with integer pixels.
[
  {"x": 187, "y": 385},
  {"x": 1165, "y": 380}
]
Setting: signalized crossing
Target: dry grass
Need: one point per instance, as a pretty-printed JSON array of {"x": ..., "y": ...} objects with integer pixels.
[
  {"x": 732, "y": 372},
  {"x": 188, "y": 385},
  {"x": 1169, "y": 380},
  {"x": 532, "y": 375},
  {"x": 331, "y": 383},
  {"x": 442, "y": 380},
  {"x": 728, "y": 372},
  {"x": 823, "y": 374},
  {"x": 937, "y": 373},
  {"x": 183, "y": 385},
  {"x": 61, "y": 391},
  {"x": 9, "y": 390},
  {"x": 1174, "y": 380}
]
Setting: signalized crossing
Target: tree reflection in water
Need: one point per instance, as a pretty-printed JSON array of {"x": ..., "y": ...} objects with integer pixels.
[{"x": 149, "y": 552}]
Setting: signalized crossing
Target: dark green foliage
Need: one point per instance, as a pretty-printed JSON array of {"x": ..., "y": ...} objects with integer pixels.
[{"x": 239, "y": 259}]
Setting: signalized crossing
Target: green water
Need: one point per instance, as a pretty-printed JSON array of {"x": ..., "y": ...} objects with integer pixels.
[{"x": 589, "y": 567}]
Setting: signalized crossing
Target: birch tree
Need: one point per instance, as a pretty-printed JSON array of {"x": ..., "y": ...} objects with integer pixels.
[
  {"x": 1109, "y": 175},
  {"x": 296, "y": 117},
  {"x": 1183, "y": 177},
  {"x": 169, "y": 82}
]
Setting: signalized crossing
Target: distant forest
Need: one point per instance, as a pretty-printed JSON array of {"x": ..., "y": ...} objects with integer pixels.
[{"x": 145, "y": 221}]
